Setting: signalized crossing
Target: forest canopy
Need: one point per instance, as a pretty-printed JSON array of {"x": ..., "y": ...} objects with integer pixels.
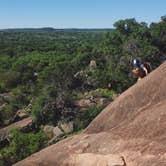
[{"x": 50, "y": 69}]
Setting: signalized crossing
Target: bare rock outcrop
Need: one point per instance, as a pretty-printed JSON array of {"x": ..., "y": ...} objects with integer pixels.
[
  {"x": 130, "y": 131},
  {"x": 95, "y": 160},
  {"x": 24, "y": 124}
]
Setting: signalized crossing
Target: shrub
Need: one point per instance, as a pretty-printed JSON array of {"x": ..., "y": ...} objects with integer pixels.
[
  {"x": 19, "y": 97},
  {"x": 21, "y": 146},
  {"x": 51, "y": 109},
  {"x": 10, "y": 79},
  {"x": 8, "y": 111},
  {"x": 85, "y": 117},
  {"x": 37, "y": 109},
  {"x": 2, "y": 87},
  {"x": 101, "y": 93}
]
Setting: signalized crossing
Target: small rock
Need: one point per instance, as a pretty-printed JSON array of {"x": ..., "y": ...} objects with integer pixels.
[
  {"x": 84, "y": 103},
  {"x": 67, "y": 127},
  {"x": 52, "y": 131},
  {"x": 103, "y": 101},
  {"x": 92, "y": 64},
  {"x": 21, "y": 114},
  {"x": 48, "y": 130},
  {"x": 57, "y": 132}
]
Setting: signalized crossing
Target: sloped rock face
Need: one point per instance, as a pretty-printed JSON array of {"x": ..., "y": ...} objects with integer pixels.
[
  {"x": 23, "y": 125},
  {"x": 95, "y": 160},
  {"x": 129, "y": 132},
  {"x": 21, "y": 114}
]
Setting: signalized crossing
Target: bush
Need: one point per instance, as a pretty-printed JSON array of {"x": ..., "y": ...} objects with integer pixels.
[
  {"x": 2, "y": 87},
  {"x": 21, "y": 146},
  {"x": 37, "y": 110},
  {"x": 51, "y": 109},
  {"x": 10, "y": 79},
  {"x": 8, "y": 112},
  {"x": 44, "y": 110},
  {"x": 87, "y": 116},
  {"x": 1, "y": 163},
  {"x": 101, "y": 93},
  {"x": 19, "y": 97}
]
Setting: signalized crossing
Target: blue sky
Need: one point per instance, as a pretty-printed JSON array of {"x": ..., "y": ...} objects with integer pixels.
[{"x": 77, "y": 13}]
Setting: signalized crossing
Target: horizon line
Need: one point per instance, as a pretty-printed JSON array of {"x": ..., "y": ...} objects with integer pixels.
[{"x": 53, "y": 28}]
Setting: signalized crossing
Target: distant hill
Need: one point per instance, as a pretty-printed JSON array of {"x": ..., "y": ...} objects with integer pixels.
[{"x": 49, "y": 29}]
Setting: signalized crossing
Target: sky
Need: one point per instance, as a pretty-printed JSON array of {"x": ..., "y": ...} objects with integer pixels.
[{"x": 77, "y": 13}]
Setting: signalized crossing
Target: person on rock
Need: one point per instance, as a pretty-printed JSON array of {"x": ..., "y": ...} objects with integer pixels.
[{"x": 140, "y": 69}]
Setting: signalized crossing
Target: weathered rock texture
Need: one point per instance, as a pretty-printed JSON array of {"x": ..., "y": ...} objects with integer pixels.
[
  {"x": 23, "y": 124},
  {"x": 130, "y": 131}
]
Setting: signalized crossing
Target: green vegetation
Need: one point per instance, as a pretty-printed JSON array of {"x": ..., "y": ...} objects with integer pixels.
[
  {"x": 21, "y": 146},
  {"x": 85, "y": 117},
  {"x": 49, "y": 70}
]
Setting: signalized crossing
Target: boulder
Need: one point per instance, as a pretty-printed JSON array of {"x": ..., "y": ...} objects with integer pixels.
[
  {"x": 24, "y": 125},
  {"x": 6, "y": 96},
  {"x": 57, "y": 132},
  {"x": 92, "y": 64},
  {"x": 103, "y": 101},
  {"x": 2, "y": 106},
  {"x": 84, "y": 103},
  {"x": 48, "y": 130},
  {"x": 52, "y": 131},
  {"x": 92, "y": 101},
  {"x": 67, "y": 127},
  {"x": 80, "y": 74},
  {"x": 21, "y": 114}
]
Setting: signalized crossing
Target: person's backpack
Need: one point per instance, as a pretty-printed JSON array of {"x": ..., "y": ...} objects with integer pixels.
[{"x": 147, "y": 65}]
